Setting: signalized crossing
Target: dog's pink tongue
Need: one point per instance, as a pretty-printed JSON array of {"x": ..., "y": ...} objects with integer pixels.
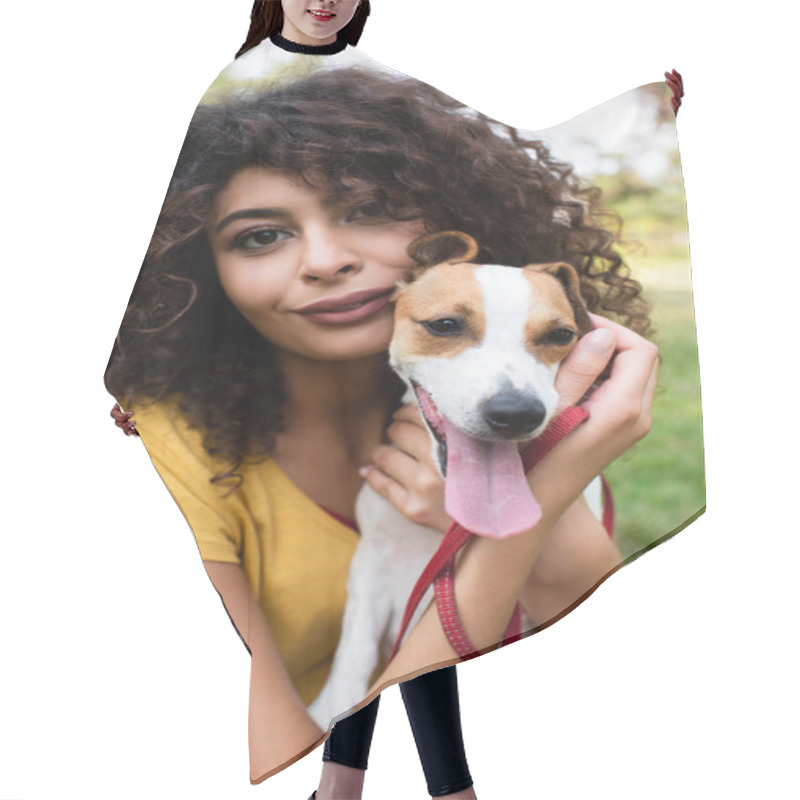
[{"x": 485, "y": 487}]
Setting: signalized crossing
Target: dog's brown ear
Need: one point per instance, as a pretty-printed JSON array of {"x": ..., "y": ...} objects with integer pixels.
[
  {"x": 568, "y": 278},
  {"x": 443, "y": 247}
]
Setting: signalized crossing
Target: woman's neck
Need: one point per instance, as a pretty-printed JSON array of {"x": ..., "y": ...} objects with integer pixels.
[
  {"x": 315, "y": 49},
  {"x": 339, "y": 398}
]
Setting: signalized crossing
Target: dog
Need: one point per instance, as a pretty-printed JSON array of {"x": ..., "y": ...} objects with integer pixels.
[{"x": 478, "y": 347}]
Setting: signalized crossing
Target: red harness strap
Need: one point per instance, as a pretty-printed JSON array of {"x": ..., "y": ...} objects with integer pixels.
[{"x": 439, "y": 570}]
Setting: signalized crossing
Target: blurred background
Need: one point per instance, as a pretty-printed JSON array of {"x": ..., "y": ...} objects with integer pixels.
[{"x": 627, "y": 146}]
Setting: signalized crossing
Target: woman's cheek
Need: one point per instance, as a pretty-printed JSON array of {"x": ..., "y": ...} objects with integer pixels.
[
  {"x": 231, "y": 281},
  {"x": 248, "y": 289}
]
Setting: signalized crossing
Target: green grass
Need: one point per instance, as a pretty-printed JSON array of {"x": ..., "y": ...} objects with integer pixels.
[{"x": 660, "y": 482}]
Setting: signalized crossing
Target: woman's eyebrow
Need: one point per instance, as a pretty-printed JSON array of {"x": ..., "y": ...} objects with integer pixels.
[{"x": 251, "y": 213}]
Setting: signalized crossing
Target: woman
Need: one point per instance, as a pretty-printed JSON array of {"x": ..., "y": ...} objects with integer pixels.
[{"x": 248, "y": 235}]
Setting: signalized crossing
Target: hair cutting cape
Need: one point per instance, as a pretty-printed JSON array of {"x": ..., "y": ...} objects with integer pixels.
[{"x": 199, "y": 350}]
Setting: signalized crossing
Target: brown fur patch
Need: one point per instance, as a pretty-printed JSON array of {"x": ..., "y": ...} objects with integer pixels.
[
  {"x": 551, "y": 308},
  {"x": 567, "y": 276},
  {"x": 448, "y": 290}
]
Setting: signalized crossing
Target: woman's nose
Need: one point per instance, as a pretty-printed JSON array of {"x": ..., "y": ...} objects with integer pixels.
[{"x": 325, "y": 256}]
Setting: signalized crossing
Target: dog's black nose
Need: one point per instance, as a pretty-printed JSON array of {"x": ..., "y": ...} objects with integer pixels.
[{"x": 512, "y": 414}]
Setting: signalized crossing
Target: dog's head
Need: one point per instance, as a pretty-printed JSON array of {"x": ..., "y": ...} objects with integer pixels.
[{"x": 481, "y": 344}]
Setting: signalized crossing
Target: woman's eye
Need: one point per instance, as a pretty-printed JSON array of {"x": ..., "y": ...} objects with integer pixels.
[
  {"x": 371, "y": 210},
  {"x": 560, "y": 336},
  {"x": 255, "y": 240},
  {"x": 447, "y": 326}
]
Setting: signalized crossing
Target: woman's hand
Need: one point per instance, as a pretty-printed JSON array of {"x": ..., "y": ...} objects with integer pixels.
[
  {"x": 405, "y": 474},
  {"x": 621, "y": 408}
]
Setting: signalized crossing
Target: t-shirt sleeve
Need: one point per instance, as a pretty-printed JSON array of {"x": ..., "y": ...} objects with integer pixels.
[{"x": 186, "y": 468}]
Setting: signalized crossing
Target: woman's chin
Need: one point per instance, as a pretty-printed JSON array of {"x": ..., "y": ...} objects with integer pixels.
[
  {"x": 352, "y": 350},
  {"x": 352, "y": 343}
]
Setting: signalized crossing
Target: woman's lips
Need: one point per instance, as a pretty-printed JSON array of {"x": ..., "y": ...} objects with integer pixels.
[
  {"x": 321, "y": 16},
  {"x": 367, "y": 309},
  {"x": 342, "y": 302}
]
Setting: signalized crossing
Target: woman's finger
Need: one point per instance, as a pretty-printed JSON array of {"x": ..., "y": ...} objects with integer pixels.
[
  {"x": 580, "y": 369},
  {"x": 410, "y": 413},
  {"x": 412, "y": 438},
  {"x": 421, "y": 507},
  {"x": 419, "y": 498},
  {"x": 631, "y": 371},
  {"x": 621, "y": 408},
  {"x": 410, "y": 465},
  {"x": 387, "y": 487},
  {"x": 393, "y": 461}
]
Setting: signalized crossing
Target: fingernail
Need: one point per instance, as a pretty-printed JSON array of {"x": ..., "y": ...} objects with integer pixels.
[
  {"x": 362, "y": 471},
  {"x": 600, "y": 340}
]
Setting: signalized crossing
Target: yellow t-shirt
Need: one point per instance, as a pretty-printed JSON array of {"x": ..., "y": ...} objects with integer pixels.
[{"x": 296, "y": 556}]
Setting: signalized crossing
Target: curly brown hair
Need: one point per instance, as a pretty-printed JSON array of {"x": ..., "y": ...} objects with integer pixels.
[{"x": 345, "y": 132}]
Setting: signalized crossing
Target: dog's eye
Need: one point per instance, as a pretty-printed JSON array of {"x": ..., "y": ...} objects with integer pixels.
[
  {"x": 560, "y": 336},
  {"x": 447, "y": 326}
]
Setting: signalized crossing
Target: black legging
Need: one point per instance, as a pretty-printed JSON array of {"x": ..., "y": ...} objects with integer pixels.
[{"x": 431, "y": 702}]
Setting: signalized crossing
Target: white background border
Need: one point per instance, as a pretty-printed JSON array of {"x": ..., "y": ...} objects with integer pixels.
[{"x": 120, "y": 676}]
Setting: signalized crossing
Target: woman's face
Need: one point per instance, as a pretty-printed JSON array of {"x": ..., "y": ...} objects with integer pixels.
[
  {"x": 279, "y": 246},
  {"x": 316, "y": 22}
]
